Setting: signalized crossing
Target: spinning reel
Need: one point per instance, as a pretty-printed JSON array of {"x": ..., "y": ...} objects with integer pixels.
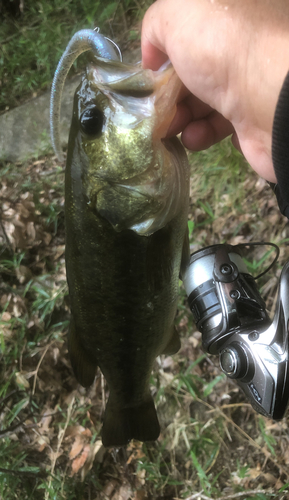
[{"x": 231, "y": 315}]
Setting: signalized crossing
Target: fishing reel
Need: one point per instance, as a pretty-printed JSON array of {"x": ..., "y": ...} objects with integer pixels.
[{"x": 231, "y": 315}]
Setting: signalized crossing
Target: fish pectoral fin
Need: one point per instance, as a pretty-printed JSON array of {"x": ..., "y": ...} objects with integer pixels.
[
  {"x": 120, "y": 425},
  {"x": 174, "y": 343},
  {"x": 84, "y": 369}
]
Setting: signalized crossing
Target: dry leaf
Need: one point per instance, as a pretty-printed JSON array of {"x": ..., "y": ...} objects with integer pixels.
[
  {"x": 46, "y": 421},
  {"x": 124, "y": 492},
  {"x": 74, "y": 430},
  {"x": 21, "y": 380},
  {"x": 42, "y": 441},
  {"x": 30, "y": 230},
  {"x": 59, "y": 250},
  {"x": 253, "y": 473},
  {"x": 269, "y": 478},
  {"x": 194, "y": 341},
  {"x": 141, "y": 474},
  {"x": 46, "y": 238},
  {"x": 167, "y": 362},
  {"x": 97, "y": 451},
  {"x": 139, "y": 495},
  {"x": 110, "y": 487},
  {"x": 76, "y": 447},
  {"x": 4, "y": 299},
  {"x": 6, "y": 316},
  {"x": 80, "y": 461},
  {"x": 23, "y": 274},
  {"x": 135, "y": 447}
]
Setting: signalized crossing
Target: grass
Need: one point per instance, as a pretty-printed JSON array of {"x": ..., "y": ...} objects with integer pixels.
[
  {"x": 32, "y": 43},
  {"x": 212, "y": 445}
]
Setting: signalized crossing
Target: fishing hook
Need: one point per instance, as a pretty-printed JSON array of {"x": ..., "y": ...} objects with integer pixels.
[{"x": 113, "y": 43}]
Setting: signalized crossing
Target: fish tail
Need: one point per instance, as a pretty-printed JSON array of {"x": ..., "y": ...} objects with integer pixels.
[{"x": 136, "y": 422}]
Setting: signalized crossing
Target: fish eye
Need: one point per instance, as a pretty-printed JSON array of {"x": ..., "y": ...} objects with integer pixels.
[{"x": 91, "y": 121}]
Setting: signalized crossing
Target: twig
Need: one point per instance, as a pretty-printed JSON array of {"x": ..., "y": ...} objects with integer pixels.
[
  {"x": 8, "y": 243},
  {"x": 103, "y": 398},
  {"x": 113, "y": 18},
  {"x": 15, "y": 391},
  {"x": 253, "y": 443},
  {"x": 138, "y": 5},
  {"x": 240, "y": 430},
  {"x": 124, "y": 18},
  {"x": 38, "y": 366},
  {"x": 18, "y": 32},
  {"x": 200, "y": 496},
  {"x": 236, "y": 405},
  {"x": 54, "y": 172},
  {"x": 14, "y": 428},
  {"x": 61, "y": 435},
  {"x": 246, "y": 493}
]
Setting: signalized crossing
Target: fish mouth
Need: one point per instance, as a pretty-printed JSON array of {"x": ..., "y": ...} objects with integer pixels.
[
  {"x": 125, "y": 206},
  {"x": 136, "y": 191},
  {"x": 146, "y": 184},
  {"x": 147, "y": 189}
]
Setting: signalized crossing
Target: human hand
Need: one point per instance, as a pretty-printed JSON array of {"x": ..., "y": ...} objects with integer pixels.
[{"x": 232, "y": 58}]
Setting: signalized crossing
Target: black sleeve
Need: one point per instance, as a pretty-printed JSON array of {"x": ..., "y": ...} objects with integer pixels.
[{"x": 280, "y": 148}]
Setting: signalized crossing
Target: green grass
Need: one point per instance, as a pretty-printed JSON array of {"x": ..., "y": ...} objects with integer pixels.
[{"x": 31, "y": 44}]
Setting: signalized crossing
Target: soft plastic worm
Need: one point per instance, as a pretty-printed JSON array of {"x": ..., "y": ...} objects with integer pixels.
[{"x": 80, "y": 42}]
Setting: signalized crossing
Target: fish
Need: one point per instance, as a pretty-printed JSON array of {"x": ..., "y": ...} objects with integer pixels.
[{"x": 126, "y": 206}]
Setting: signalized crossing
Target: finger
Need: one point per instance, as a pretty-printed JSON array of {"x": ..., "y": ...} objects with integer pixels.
[
  {"x": 152, "y": 57},
  {"x": 153, "y": 51},
  {"x": 203, "y": 133},
  {"x": 189, "y": 109}
]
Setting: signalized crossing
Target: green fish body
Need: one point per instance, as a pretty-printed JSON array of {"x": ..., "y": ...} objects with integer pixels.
[{"x": 126, "y": 203}]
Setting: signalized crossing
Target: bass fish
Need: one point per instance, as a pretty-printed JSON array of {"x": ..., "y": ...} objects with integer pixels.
[{"x": 126, "y": 205}]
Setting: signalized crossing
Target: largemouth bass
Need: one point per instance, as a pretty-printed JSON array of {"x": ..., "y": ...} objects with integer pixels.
[{"x": 126, "y": 204}]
